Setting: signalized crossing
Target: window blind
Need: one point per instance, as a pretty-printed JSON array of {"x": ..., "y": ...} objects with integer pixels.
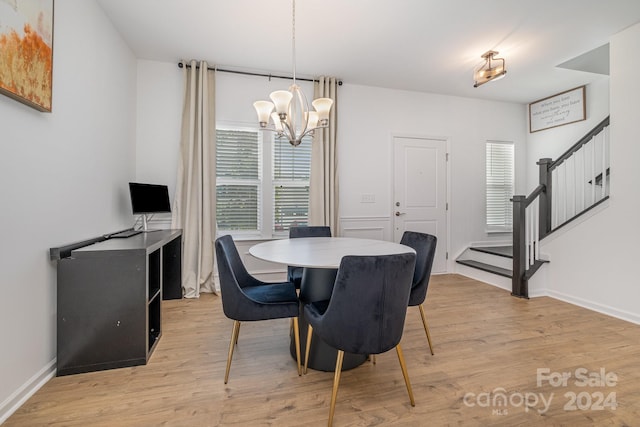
[
  {"x": 499, "y": 184},
  {"x": 291, "y": 173},
  {"x": 237, "y": 180}
]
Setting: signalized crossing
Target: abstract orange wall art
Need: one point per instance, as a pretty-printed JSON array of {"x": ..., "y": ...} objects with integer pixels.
[{"x": 26, "y": 51}]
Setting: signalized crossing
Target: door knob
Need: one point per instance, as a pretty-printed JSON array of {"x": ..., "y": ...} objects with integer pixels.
[{"x": 399, "y": 213}]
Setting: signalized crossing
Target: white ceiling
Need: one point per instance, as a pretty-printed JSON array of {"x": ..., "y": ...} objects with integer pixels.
[{"x": 418, "y": 45}]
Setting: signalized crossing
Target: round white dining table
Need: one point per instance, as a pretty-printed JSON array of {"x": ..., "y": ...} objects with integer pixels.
[
  {"x": 321, "y": 257},
  {"x": 323, "y": 252}
]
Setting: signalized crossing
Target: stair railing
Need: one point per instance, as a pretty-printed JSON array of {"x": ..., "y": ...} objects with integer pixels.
[
  {"x": 526, "y": 237},
  {"x": 568, "y": 188},
  {"x": 576, "y": 176}
]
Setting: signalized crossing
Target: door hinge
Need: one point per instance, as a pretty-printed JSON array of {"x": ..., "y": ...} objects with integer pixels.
[
  {"x": 447, "y": 157},
  {"x": 447, "y": 255},
  {"x": 446, "y": 206}
]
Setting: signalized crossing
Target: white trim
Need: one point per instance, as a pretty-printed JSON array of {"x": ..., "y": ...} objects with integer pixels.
[
  {"x": 496, "y": 230},
  {"x": 365, "y": 218},
  {"x": 28, "y": 389},
  {"x": 597, "y": 307}
]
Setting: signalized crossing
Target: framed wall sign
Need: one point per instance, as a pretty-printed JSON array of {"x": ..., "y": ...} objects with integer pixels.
[
  {"x": 26, "y": 51},
  {"x": 557, "y": 110}
]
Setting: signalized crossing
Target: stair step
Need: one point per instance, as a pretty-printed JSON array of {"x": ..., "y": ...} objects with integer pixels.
[
  {"x": 503, "y": 251},
  {"x": 486, "y": 267}
]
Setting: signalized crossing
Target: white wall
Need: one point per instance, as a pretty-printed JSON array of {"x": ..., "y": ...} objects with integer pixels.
[
  {"x": 159, "y": 94},
  {"x": 364, "y": 138},
  {"x": 64, "y": 178},
  {"x": 554, "y": 142},
  {"x": 368, "y": 117},
  {"x": 592, "y": 264}
]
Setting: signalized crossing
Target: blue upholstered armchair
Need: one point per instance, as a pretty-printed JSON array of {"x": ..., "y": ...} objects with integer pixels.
[
  {"x": 245, "y": 298},
  {"x": 366, "y": 312},
  {"x": 425, "y": 247},
  {"x": 294, "y": 274}
]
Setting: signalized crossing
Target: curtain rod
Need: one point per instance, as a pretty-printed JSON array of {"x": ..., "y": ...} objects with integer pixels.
[{"x": 247, "y": 73}]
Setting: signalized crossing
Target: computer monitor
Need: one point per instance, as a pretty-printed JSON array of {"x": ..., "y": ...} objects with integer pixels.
[{"x": 148, "y": 199}]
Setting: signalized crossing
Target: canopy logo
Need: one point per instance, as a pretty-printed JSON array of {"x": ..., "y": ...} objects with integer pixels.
[{"x": 500, "y": 400}]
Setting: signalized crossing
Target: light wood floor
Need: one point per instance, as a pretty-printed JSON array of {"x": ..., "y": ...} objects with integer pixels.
[{"x": 486, "y": 343}]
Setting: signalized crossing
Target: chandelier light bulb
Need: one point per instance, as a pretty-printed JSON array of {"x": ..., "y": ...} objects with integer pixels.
[
  {"x": 264, "y": 109},
  {"x": 281, "y": 100}
]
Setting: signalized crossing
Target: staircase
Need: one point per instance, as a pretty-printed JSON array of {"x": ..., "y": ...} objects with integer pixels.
[
  {"x": 496, "y": 260},
  {"x": 492, "y": 259},
  {"x": 570, "y": 186}
]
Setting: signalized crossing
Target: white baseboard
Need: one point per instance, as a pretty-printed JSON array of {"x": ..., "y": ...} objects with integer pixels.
[
  {"x": 28, "y": 389},
  {"x": 496, "y": 280},
  {"x": 594, "y": 306},
  {"x": 538, "y": 290}
]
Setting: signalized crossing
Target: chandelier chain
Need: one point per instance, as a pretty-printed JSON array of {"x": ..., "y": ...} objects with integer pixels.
[{"x": 293, "y": 39}]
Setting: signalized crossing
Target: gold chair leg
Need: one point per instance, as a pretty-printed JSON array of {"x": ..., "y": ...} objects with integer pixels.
[
  {"x": 234, "y": 340},
  {"x": 336, "y": 381},
  {"x": 426, "y": 328},
  {"x": 306, "y": 352},
  {"x": 296, "y": 332},
  {"x": 405, "y": 374}
]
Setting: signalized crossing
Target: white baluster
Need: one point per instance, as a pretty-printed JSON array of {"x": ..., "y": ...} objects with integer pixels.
[
  {"x": 536, "y": 229},
  {"x": 564, "y": 191},
  {"x": 604, "y": 164},
  {"x": 527, "y": 238},
  {"x": 583, "y": 178},
  {"x": 593, "y": 170},
  {"x": 554, "y": 199}
]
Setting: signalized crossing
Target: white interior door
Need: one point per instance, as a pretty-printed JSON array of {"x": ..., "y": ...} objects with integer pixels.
[{"x": 420, "y": 191}]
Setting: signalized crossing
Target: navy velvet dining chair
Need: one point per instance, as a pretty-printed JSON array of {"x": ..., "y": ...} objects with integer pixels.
[
  {"x": 294, "y": 274},
  {"x": 245, "y": 298},
  {"x": 366, "y": 312},
  {"x": 425, "y": 247}
]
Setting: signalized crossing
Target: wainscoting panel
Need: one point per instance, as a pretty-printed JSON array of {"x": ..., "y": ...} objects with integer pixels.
[
  {"x": 378, "y": 228},
  {"x": 255, "y": 265}
]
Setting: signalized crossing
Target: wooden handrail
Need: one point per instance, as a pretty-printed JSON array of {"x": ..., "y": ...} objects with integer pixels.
[
  {"x": 535, "y": 193},
  {"x": 575, "y": 147}
]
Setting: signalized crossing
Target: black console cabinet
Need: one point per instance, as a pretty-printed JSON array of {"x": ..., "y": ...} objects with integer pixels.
[{"x": 109, "y": 300}]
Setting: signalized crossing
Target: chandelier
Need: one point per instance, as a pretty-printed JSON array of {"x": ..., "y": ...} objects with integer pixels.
[
  {"x": 292, "y": 118},
  {"x": 488, "y": 71}
]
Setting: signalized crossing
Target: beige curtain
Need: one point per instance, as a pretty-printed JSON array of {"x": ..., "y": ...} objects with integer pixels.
[
  {"x": 195, "y": 203},
  {"x": 323, "y": 191}
]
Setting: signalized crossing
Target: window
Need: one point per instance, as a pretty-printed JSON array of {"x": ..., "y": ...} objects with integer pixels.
[
  {"x": 499, "y": 185},
  {"x": 291, "y": 172},
  {"x": 237, "y": 180},
  {"x": 262, "y": 183}
]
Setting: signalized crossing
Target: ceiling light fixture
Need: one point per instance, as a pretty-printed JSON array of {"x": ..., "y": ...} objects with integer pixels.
[
  {"x": 488, "y": 71},
  {"x": 292, "y": 118}
]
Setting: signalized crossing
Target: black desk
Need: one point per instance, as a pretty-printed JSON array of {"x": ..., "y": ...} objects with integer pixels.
[{"x": 109, "y": 300}]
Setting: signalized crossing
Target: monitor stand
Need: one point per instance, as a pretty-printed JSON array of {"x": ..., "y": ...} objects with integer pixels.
[{"x": 145, "y": 224}]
